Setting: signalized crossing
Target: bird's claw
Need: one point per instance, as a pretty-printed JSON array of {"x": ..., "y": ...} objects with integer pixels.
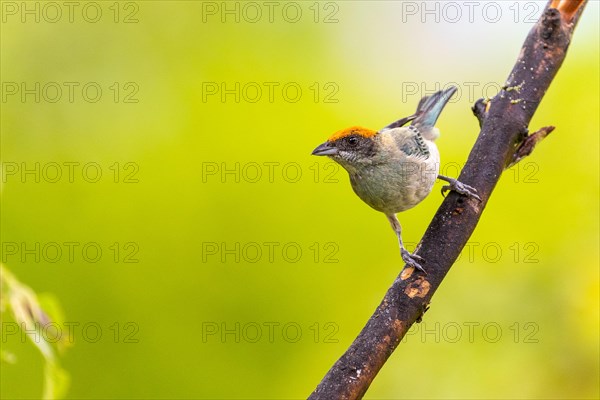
[
  {"x": 416, "y": 257},
  {"x": 411, "y": 260},
  {"x": 459, "y": 187}
]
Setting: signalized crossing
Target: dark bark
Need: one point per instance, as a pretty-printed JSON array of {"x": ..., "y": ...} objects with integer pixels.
[{"x": 502, "y": 141}]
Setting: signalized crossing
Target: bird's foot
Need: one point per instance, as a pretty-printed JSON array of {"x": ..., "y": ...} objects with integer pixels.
[
  {"x": 412, "y": 260},
  {"x": 459, "y": 187}
]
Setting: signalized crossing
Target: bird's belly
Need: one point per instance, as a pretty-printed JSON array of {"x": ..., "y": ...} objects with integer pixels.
[{"x": 392, "y": 190}]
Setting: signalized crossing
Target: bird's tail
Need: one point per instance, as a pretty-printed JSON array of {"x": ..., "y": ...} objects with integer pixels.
[{"x": 429, "y": 110}]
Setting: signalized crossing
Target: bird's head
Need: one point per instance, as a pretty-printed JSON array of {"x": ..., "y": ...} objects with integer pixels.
[{"x": 351, "y": 147}]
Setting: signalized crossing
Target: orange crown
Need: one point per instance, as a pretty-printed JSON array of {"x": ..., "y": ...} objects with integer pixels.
[{"x": 354, "y": 130}]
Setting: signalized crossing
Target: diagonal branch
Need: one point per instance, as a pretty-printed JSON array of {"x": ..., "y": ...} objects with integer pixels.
[
  {"x": 526, "y": 147},
  {"x": 502, "y": 141}
]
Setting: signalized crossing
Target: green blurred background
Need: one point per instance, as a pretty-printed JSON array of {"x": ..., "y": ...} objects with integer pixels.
[{"x": 234, "y": 265}]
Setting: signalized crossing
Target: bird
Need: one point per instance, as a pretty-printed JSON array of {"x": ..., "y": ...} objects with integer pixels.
[{"x": 395, "y": 168}]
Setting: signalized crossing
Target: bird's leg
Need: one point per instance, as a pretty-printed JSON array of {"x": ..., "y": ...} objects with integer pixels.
[
  {"x": 458, "y": 187},
  {"x": 409, "y": 259}
]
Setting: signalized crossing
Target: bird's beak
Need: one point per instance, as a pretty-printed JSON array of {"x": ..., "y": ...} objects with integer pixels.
[{"x": 325, "y": 149}]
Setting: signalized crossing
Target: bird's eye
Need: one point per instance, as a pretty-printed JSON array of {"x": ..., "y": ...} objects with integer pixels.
[{"x": 352, "y": 141}]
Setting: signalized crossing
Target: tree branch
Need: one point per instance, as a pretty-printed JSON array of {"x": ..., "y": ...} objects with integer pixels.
[{"x": 502, "y": 141}]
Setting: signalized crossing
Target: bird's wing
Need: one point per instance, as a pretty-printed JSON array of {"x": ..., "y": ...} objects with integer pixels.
[
  {"x": 410, "y": 141},
  {"x": 399, "y": 123}
]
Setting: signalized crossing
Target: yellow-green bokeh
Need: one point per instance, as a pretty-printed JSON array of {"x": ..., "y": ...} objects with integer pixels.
[{"x": 374, "y": 60}]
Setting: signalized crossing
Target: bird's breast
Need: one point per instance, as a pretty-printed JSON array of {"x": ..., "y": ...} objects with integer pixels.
[{"x": 397, "y": 185}]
